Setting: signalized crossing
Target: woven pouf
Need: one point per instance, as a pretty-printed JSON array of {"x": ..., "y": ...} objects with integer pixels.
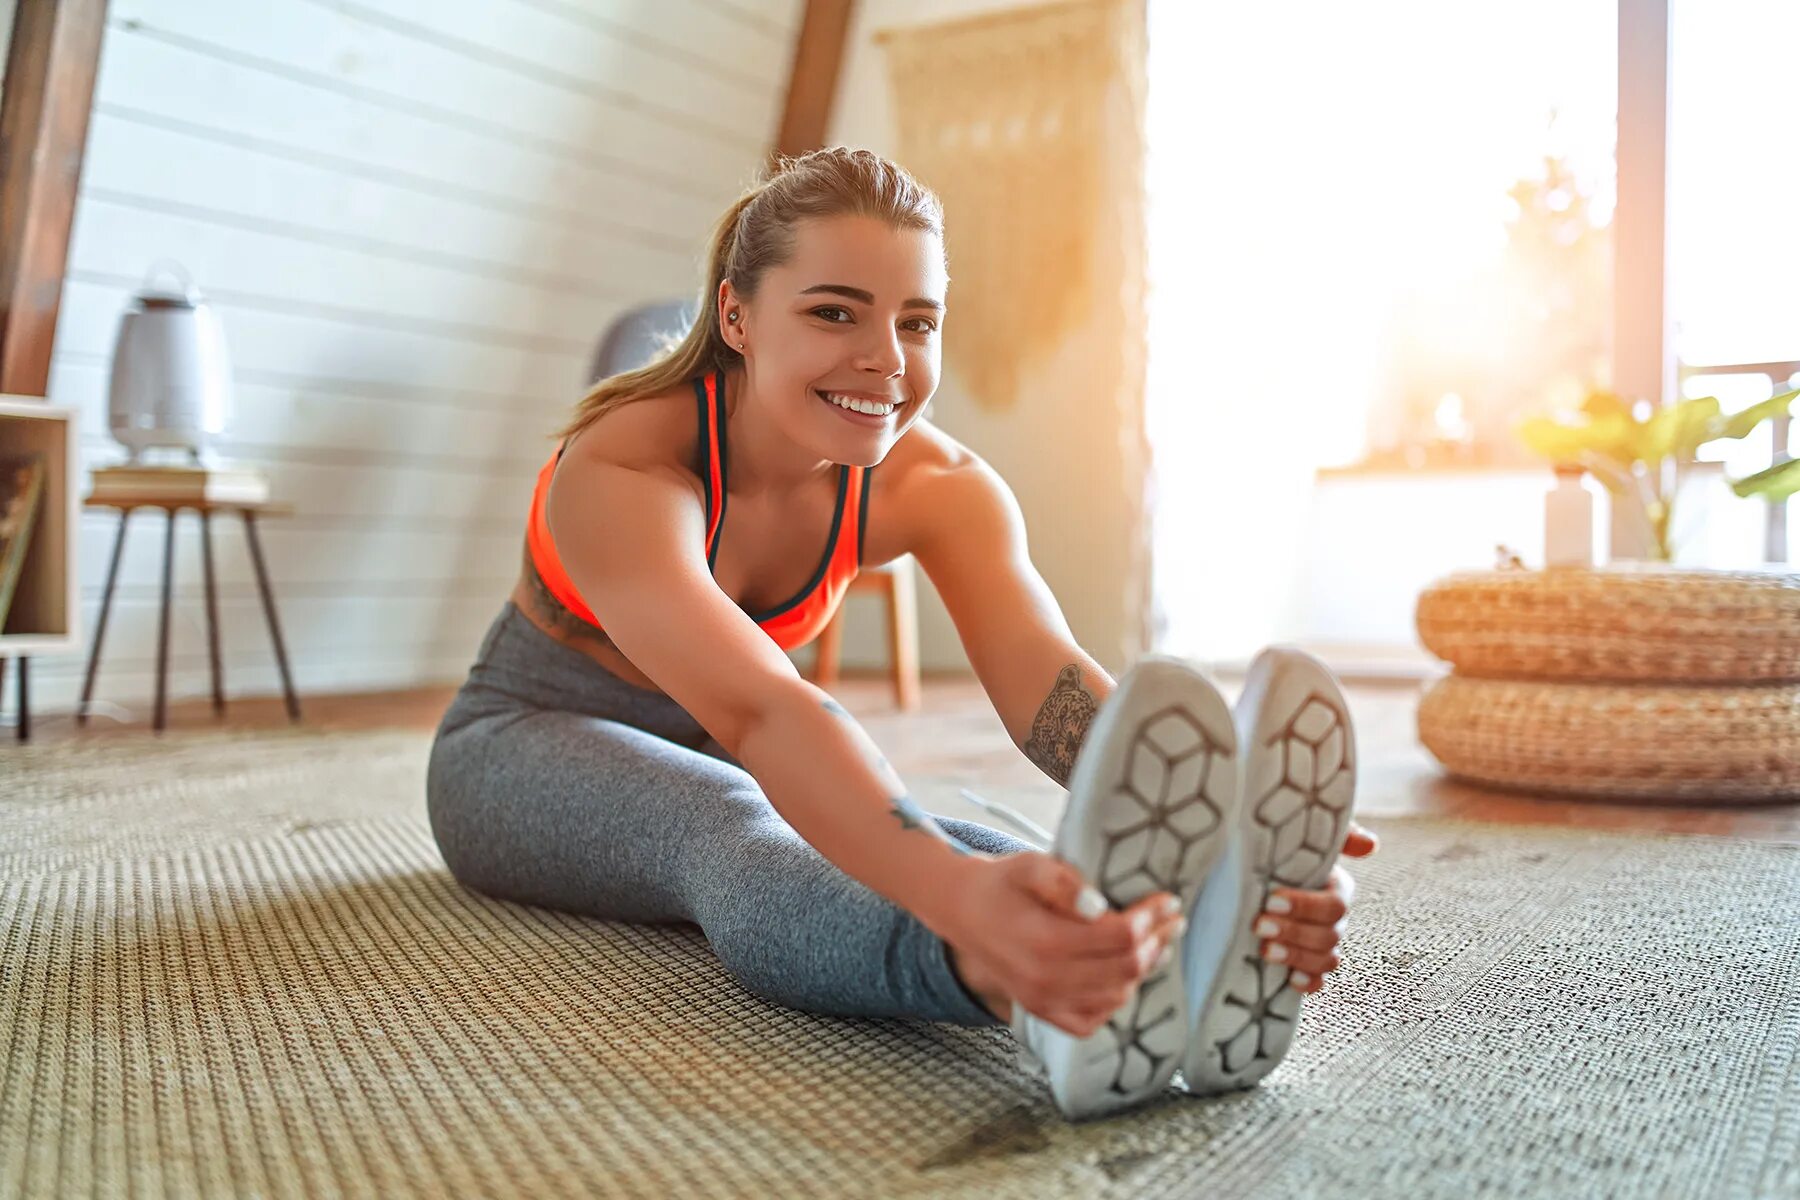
[
  {"x": 1634, "y": 680},
  {"x": 1677, "y": 742},
  {"x": 1624, "y": 621}
]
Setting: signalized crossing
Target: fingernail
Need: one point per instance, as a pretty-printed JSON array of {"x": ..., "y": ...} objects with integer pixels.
[
  {"x": 1090, "y": 903},
  {"x": 1279, "y": 904},
  {"x": 1165, "y": 958},
  {"x": 1301, "y": 979},
  {"x": 1180, "y": 927},
  {"x": 1171, "y": 906},
  {"x": 1277, "y": 953},
  {"x": 1268, "y": 927}
]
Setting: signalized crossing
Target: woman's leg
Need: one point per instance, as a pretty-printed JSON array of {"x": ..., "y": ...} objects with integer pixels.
[
  {"x": 982, "y": 837},
  {"x": 970, "y": 833},
  {"x": 595, "y": 816}
]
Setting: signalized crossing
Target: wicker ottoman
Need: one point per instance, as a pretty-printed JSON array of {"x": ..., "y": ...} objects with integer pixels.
[{"x": 1635, "y": 680}]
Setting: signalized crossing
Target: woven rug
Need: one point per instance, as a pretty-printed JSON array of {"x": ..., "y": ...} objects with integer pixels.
[{"x": 234, "y": 964}]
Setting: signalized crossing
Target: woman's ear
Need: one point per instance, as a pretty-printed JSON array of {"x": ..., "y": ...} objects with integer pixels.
[{"x": 731, "y": 316}]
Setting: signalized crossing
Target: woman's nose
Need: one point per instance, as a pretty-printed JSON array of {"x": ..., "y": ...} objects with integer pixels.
[{"x": 883, "y": 353}]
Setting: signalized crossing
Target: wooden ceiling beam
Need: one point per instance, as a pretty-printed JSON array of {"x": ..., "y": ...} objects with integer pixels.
[
  {"x": 48, "y": 94},
  {"x": 812, "y": 84}
]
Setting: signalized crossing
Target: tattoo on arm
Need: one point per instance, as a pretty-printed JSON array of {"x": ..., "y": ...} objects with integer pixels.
[
  {"x": 903, "y": 806},
  {"x": 556, "y": 614},
  {"x": 1060, "y": 725},
  {"x": 913, "y": 817}
]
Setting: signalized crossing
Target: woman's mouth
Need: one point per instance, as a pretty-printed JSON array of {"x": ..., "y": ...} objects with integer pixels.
[{"x": 879, "y": 416}]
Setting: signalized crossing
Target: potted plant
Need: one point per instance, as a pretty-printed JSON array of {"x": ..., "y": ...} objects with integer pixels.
[{"x": 1630, "y": 455}]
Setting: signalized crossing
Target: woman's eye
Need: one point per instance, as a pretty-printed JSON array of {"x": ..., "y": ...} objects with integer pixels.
[{"x": 930, "y": 326}]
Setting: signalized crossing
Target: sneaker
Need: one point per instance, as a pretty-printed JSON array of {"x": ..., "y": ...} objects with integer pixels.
[
  {"x": 1152, "y": 798},
  {"x": 1297, "y": 751}
]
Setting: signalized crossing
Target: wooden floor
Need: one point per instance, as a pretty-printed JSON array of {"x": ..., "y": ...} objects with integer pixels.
[{"x": 957, "y": 734}]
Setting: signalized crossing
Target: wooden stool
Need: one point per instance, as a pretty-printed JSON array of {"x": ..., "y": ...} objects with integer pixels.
[
  {"x": 23, "y": 731},
  {"x": 894, "y": 581},
  {"x": 249, "y": 511}
]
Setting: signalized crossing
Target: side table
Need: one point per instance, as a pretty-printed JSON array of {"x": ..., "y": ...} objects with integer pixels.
[{"x": 249, "y": 510}]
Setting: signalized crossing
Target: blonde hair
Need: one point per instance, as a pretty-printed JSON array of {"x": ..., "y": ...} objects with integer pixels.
[{"x": 756, "y": 233}]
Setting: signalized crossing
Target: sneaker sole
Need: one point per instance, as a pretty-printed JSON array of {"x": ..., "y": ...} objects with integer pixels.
[
  {"x": 1298, "y": 748},
  {"x": 1152, "y": 797}
]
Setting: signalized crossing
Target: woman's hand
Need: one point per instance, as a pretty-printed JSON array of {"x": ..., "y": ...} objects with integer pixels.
[
  {"x": 1306, "y": 937},
  {"x": 1016, "y": 931}
]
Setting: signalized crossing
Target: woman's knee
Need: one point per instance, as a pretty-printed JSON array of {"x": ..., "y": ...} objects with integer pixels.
[{"x": 751, "y": 955}]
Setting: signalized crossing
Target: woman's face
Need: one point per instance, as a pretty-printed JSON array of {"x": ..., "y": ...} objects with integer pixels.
[{"x": 858, "y": 312}]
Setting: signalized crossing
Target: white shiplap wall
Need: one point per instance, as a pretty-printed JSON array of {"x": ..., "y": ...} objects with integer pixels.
[{"x": 414, "y": 219}]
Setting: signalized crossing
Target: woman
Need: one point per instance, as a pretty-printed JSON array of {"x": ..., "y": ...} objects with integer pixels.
[{"x": 667, "y": 763}]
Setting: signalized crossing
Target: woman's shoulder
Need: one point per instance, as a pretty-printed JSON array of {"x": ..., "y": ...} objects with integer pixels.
[
  {"x": 917, "y": 480},
  {"x": 924, "y": 453},
  {"x": 659, "y": 430}
]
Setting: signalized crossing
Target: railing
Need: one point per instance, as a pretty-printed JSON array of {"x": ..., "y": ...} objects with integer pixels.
[{"x": 1780, "y": 376}]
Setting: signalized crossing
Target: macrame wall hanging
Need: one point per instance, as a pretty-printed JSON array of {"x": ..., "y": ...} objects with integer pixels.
[{"x": 1028, "y": 125}]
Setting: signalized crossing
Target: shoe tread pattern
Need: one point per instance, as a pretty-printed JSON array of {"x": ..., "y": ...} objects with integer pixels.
[
  {"x": 1296, "y": 825},
  {"x": 1161, "y": 816}
]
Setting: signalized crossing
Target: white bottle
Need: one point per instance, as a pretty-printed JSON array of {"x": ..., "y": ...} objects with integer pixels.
[{"x": 1569, "y": 519}]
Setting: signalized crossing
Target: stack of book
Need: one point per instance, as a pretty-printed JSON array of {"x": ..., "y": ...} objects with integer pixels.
[{"x": 221, "y": 482}]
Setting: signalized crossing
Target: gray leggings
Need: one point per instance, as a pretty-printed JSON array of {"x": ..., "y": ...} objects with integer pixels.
[{"x": 554, "y": 782}]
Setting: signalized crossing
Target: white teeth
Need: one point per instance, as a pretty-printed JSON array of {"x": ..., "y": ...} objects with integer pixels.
[{"x": 861, "y": 406}]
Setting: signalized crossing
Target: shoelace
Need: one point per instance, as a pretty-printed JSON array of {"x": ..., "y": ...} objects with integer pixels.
[{"x": 1022, "y": 824}]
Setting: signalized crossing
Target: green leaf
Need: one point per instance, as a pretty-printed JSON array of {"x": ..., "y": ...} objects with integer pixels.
[
  {"x": 1776, "y": 483},
  {"x": 1606, "y": 404},
  {"x": 1677, "y": 429},
  {"x": 1739, "y": 425},
  {"x": 1553, "y": 439},
  {"x": 1615, "y": 436},
  {"x": 1559, "y": 442}
]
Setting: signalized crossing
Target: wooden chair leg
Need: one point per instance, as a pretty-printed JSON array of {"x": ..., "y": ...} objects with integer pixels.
[
  {"x": 159, "y": 721},
  {"x": 831, "y": 641},
  {"x": 24, "y": 729},
  {"x": 903, "y": 636},
  {"x": 106, "y": 599},
  {"x": 212, "y": 615},
  {"x": 268, "y": 602}
]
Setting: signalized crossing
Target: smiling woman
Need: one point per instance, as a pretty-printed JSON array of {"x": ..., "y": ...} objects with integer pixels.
[
  {"x": 872, "y": 356},
  {"x": 634, "y": 743},
  {"x": 879, "y": 404}
]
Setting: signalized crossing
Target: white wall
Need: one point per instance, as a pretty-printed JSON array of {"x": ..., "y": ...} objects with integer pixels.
[{"x": 413, "y": 222}]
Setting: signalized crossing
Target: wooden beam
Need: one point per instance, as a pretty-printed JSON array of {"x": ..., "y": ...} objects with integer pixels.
[
  {"x": 49, "y": 92},
  {"x": 818, "y": 56}
]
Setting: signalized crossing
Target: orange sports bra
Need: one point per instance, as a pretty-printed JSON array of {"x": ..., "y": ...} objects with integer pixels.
[{"x": 791, "y": 624}]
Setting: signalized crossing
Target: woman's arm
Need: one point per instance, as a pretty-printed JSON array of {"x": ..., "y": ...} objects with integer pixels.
[
  {"x": 644, "y": 574},
  {"x": 968, "y": 535},
  {"x": 1060, "y": 724}
]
